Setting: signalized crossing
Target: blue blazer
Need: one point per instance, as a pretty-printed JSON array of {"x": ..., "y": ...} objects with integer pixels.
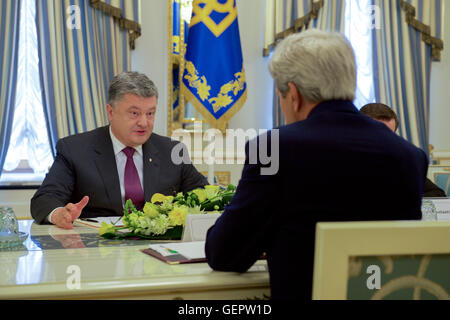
[{"x": 337, "y": 165}]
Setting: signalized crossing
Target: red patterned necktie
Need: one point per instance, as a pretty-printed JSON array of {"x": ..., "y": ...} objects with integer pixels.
[{"x": 133, "y": 188}]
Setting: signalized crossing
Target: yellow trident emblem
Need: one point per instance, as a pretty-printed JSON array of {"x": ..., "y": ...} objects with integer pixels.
[{"x": 203, "y": 15}]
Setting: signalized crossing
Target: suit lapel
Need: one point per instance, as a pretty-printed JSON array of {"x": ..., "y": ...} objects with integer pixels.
[
  {"x": 106, "y": 165},
  {"x": 152, "y": 164}
]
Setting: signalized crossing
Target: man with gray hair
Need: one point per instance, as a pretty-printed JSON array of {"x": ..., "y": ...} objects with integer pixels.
[
  {"x": 335, "y": 164},
  {"x": 95, "y": 172}
]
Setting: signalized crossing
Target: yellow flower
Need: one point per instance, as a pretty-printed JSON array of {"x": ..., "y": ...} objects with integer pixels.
[
  {"x": 201, "y": 194},
  {"x": 211, "y": 191},
  {"x": 177, "y": 216},
  {"x": 158, "y": 197},
  {"x": 212, "y": 187},
  {"x": 151, "y": 210},
  {"x": 107, "y": 228},
  {"x": 132, "y": 220}
]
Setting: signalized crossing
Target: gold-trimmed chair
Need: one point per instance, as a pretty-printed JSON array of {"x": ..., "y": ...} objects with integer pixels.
[{"x": 398, "y": 260}]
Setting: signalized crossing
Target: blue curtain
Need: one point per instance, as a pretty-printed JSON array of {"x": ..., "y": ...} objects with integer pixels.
[
  {"x": 284, "y": 17},
  {"x": 331, "y": 17},
  {"x": 9, "y": 49},
  {"x": 402, "y": 63},
  {"x": 77, "y": 65}
]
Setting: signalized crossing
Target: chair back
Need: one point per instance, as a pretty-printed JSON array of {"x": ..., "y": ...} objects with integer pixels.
[
  {"x": 443, "y": 181},
  {"x": 398, "y": 260}
]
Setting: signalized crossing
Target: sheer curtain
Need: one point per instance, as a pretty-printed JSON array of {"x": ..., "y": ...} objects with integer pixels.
[
  {"x": 29, "y": 139},
  {"x": 9, "y": 35},
  {"x": 360, "y": 19}
]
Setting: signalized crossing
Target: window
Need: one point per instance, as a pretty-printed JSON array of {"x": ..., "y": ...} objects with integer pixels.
[
  {"x": 29, "y": 155},
  {"x": 358, "y": 29}
]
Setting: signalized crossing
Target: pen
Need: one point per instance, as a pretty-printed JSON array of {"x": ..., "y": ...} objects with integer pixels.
[
  {"x": 90, "y": 220},
  {"x": 170, "y": 250}
]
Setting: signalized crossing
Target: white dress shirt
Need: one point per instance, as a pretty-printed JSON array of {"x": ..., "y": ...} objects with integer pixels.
[{"x": 121, "y": 161}]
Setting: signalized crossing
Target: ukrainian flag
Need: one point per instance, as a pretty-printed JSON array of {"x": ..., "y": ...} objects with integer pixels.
[{"x": 214, "y": 79}]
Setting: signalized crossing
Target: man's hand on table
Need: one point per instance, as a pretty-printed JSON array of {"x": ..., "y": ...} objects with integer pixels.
[{"x": 65, "y": 216}]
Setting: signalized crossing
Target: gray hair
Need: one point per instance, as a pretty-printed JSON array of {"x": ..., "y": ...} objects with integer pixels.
[
  {"x": 131, "y": 82},
  {"x": 320, "y": 64}
]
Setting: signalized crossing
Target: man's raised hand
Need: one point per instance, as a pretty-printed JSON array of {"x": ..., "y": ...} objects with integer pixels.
[{"x": 65, "y": 216}]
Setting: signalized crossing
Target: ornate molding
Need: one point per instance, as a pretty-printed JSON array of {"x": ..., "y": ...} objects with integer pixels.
[
  {"x": 133, "y": 28},
  {"x": 299, "y": 23},
  {"x": 437, "y": 45}
]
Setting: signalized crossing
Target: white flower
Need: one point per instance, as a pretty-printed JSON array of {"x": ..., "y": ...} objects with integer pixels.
[{"x": 159, "y": 225}]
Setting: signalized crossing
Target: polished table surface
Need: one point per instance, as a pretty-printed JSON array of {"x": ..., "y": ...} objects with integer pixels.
[{"x": 78, "y": 264}]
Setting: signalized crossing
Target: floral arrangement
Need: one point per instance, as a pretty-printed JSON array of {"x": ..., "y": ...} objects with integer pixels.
[{"x": 163, "y": 218}]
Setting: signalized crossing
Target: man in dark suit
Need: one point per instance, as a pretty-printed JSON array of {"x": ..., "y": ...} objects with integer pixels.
[
  {"x": 94, "y": 173},
  {"x": 386, "y": 115},
  {"x": 335, "y": 164}
]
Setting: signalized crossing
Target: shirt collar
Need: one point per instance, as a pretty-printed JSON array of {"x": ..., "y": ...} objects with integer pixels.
[
  {"x": 334, "y": 106},
  {"x": 119, "y": 146}
]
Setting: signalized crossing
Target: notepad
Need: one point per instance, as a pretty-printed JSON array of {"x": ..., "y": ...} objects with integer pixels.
[
  {"x": 178, "y": 252},
  {"x": 197, "y": 225}
]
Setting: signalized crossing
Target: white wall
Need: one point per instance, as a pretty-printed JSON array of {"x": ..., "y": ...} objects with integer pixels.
[
  {"x": 257, "y": 111},
  {"x": 440, "y": 91},
  {"x": 150, "y": 55},
  {"x": 19, "y": 200}
]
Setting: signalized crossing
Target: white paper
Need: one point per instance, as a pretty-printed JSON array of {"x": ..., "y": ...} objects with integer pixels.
[
  {"x": 197, "y": 226},
  {"x": 191, "y": 250},
  {"x": 161, "y": 249}
]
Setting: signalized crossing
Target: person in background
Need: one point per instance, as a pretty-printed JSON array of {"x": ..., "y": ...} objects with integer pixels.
[
  {"x": 96, "y": 172},
  {"x": 335, "y": 164},
  {"x": 386, "y": 115}
]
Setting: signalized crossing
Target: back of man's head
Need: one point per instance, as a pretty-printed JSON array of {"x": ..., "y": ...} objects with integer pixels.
[
  {"x": 380, "y": 112},
  {"x": 132, "y": 83},
  {"x": 320, "y": 64}
]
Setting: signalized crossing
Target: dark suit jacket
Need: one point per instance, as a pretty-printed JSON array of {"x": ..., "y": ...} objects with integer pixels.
[
  {"x": 432, "y": 191},
  {"x": 85, "y": 165},
  {"x": 337, "y": 165}
]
